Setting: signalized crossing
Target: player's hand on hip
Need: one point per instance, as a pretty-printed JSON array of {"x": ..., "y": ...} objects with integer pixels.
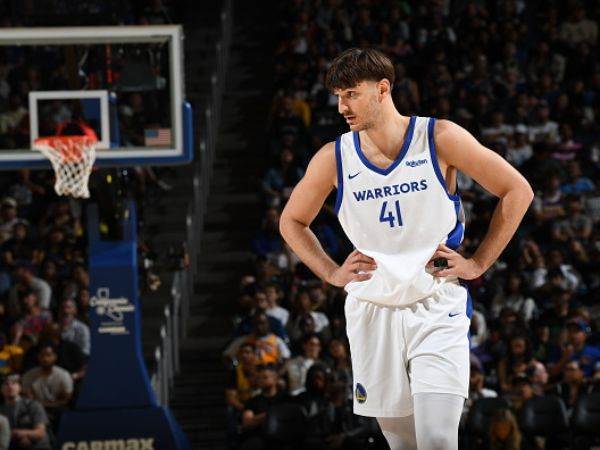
[
  {"x": 356, "y": 268},
  {"x": 457, "y": 265}
]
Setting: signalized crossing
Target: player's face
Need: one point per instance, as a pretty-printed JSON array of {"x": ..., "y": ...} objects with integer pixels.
[{"x": 359, "y": 105}]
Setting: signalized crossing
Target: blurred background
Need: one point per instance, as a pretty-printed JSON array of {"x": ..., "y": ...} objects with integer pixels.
[{"x": 261, "y": 358}]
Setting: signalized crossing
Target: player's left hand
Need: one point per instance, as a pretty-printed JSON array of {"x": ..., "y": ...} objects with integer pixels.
[{"x": 465, "y": 268}]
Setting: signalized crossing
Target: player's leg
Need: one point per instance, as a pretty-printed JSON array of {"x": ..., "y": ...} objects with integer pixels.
[
  {"x": 399, "y": 432},
  {"x": 438, "y": 355},
  {"x": 381, "y": 384},
  {"x": 436, "y": 418}
]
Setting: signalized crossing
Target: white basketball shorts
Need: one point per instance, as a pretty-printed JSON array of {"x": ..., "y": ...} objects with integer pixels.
[{"x": 400, "y": 351}]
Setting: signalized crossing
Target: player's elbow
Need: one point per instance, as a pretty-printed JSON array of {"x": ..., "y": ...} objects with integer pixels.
[
  {"x": 287, "y": 225},
  {"x": 284, "y": 225},
  {"x": 520, "y": 192},
  {"x": 528, "y": 193}
]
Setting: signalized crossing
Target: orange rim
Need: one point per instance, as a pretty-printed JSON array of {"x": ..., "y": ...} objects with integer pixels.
[{"x": 71, "y": 148}]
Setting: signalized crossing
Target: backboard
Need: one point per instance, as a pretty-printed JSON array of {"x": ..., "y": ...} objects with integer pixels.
[{"x": 126, "y": 82}]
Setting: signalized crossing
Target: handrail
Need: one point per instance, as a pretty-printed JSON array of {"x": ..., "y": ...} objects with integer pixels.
[{"x": 174, "y": 328}]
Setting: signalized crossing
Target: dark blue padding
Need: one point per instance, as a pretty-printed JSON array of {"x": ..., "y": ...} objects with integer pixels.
[
  {"x": 116, "y": 375},
  {"x": 401, "y": 154},
  {"x": 340, "y": 174},
  {"x": 117, "y": 402}
]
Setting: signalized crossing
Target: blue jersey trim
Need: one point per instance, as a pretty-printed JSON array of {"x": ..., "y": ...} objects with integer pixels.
[
  {"x": 340, "y": 175},
  {"x": 455, "y": 237},
  {"x": 469, "y": 308},
  {"x": 398, "y": 160},
  {"x": 434, "y": 161}
]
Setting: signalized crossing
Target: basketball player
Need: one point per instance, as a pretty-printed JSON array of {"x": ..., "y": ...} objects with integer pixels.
[{"x": 397, "y": 201}]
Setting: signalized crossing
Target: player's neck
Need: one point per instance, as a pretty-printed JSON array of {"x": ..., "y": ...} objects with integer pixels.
[{"x": 388, "y": 133}]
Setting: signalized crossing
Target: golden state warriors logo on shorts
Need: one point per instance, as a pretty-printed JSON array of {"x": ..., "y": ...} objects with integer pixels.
[{"x": 360, "y": 393}]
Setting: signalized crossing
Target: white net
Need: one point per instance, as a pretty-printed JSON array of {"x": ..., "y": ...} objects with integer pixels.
[{"x": 72, "y": 159}]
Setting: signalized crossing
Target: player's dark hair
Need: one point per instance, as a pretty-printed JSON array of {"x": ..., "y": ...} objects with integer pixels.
[{"x": 356, "y": 65}]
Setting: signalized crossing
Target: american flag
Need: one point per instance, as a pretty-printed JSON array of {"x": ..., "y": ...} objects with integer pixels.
[{"x": 157, "y": 137}]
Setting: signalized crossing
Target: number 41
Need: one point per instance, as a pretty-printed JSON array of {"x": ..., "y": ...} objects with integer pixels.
[{"x": 389, "y": 217}]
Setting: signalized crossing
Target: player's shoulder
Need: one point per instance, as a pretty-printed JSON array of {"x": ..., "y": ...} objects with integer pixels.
[
  {"x": 325, "y": 156},
  {"x": 448, "y": 135},
  {"x": 445, "y": 128},
  {"x": 322, "y": 167}
]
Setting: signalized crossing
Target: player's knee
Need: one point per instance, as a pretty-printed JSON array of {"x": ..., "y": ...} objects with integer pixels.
[{"x": 437, "y": 439}]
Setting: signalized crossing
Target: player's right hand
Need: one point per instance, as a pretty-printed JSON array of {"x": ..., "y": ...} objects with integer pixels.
[{"x": 356, "y": 268}]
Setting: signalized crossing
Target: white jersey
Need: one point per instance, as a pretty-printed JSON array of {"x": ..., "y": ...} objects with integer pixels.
[{"x": 398, "y": 215}]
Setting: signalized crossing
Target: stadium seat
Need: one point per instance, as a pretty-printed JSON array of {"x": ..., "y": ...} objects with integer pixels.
[
  {"x": 481, "y": 412},
  {"x": 285, "y": 424},
  {"x": 585, "y": 420},
  {"x": 543, "y": 416}
]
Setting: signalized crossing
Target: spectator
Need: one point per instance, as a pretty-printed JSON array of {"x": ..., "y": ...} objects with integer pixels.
[
  {"x": 349, "y": 431},
  {"x": 20, "y": 250},
  {"x": 519, "y": 150},
  {"x": 518, "y": 360},
  {"x": 576, "y": 349},
  {"x": 48, "y": 383},
  {"x": 27, "y": 281},
  {"x": 316, "y": 407},
  {"x": 8, "y": 218},
  {"x": 544, "y": 130},
  {"x": 5, "y": 433},
  {"x": 547, "y": 204},
  {"x": 274, "y": 294},
  {"x": 70, "y": 356},
  {"x": 261, "y": 305},
  {"x": 11, "y": 119},
  {"x": 341, "y": 366},
  {"x": 478, "y": 332},
  {"x": 295, "y": 369},
  {"x": 512, "y": 297},
  {"x": 34, "y": 318},
  {"x": 270, "y": 348},
  {"x": 278, "y": 182},
  {"x": 242, "y": 382},
  {"x": 577, "y": 183},
  {"x": 72, "y": 329},
  {"x": 11, "y": 356},
  {"x": 572, "y": 385},
  {"x": 520, "y": 391},
  {"x": 27, "y": 417},
  {"x": 504, "y": 431},
  {"x": 498, "y": 131},
  {"x": 303, "y": 306},
  {"x": 477, "y": 389},
  {"x": 268, "y": 243},
  {"x": 257, "y": 408},
  {"x": 576, "y": 225},
  {"x": 579, "y": 28}
]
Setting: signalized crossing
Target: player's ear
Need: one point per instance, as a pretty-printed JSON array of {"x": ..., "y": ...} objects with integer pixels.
[{"x": 383, "y": 88}]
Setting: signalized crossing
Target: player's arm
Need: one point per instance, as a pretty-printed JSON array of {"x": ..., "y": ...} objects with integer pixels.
[
  {"x": 458, "y": 148},
  {"x": 302, "y": 207}
]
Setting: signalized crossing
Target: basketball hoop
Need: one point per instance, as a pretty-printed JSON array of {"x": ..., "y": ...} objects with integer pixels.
[{"x": 72, "y": 159}]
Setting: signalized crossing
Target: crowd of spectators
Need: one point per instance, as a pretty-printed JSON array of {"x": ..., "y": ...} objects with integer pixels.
[{"x": 523, "y": 78}]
